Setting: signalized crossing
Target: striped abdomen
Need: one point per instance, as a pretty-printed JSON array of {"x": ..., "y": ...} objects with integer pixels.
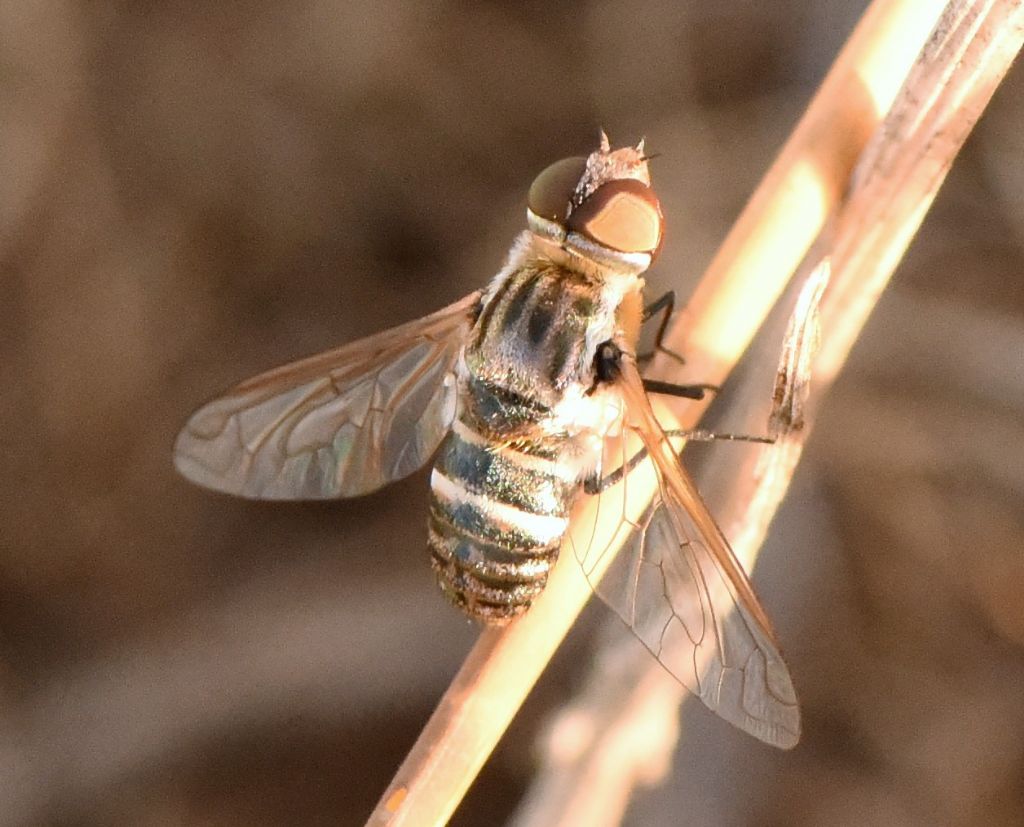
[
  {"x": 497, "y": 517},
  {"x": 508, "y": 473}
]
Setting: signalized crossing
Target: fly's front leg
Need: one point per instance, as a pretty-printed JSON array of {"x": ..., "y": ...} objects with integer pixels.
[{"x": 664, "y": 305}]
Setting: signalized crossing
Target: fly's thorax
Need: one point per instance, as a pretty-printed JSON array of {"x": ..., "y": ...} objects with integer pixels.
[
  {"x": 629, "y": 318},
  {"x": 541, "y": 324}
]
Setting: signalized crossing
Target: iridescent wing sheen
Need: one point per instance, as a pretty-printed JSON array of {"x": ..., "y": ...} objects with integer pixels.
[
  {"x": 339, "y": 424},
  {"x": 677, "y": 584}
]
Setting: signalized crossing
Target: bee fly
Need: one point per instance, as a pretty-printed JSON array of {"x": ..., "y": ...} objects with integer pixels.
[{"x": 528, "y": 386}]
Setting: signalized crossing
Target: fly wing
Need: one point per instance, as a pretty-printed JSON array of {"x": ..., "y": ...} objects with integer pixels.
[
  {"x": 677, "y": 584},
  {"x": 339, "y": 424}
]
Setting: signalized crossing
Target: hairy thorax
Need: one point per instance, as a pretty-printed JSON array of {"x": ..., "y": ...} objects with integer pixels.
[{"x": 528, "y": 372}]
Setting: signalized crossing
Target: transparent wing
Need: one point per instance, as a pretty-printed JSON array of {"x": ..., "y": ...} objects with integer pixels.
[
  {"x": 340, "y": 424},
  {"x": 677, "y": 584}
]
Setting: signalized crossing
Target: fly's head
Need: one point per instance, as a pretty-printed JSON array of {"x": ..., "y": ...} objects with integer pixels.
[{"x": 600, "y": 210}]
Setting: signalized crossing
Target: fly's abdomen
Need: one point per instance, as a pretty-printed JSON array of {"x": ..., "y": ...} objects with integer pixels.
[{"x": 497, "y": 519}]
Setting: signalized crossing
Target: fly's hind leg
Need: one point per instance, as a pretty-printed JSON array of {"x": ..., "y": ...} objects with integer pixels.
[
  {"x": 700, "y": 435},
  {"x": 596, "y": 484}
]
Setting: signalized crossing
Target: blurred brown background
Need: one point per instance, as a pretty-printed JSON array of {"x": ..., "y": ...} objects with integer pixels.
[{"x": 192, "y": 193}]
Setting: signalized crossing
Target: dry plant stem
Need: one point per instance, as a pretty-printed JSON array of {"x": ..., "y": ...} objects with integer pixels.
[
  {"x": 739, "y": 289},
  {"x": 946, "y": 91},
  {"x": 810, "y": 176},
  {"x": 967, "y": 57},
  {"x": 622, "y": 729}
]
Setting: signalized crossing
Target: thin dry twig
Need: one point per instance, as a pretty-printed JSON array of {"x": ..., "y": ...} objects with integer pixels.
[
  {"x": 903, "y": 167},
  {"x": 745, "y": 279}
]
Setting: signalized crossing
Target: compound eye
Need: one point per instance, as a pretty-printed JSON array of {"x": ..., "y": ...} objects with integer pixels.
[
  {"x": 624, "y": 215},
  {"x": 551, "y": 190}
]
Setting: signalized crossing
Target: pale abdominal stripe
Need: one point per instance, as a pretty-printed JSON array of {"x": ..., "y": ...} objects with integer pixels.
[
  {"x": 530, "y": 462},
  {"x": 544, "y": 529},
  {"x": 497, "y": 519}
]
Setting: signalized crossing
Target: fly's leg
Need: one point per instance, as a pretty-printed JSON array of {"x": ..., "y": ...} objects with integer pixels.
[
  {"x": 665, "y": 304},
  {"x": 700, "y": 435},
  {"x": 606, "y": 369},
  {"x": 671, "y": 389},
  {"x": 597, "y": 484}
]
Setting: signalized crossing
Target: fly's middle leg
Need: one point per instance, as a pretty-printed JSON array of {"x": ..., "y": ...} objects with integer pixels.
[
  {"x": 606, "y": 369},
  {"x": 684, "y": 391}
]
